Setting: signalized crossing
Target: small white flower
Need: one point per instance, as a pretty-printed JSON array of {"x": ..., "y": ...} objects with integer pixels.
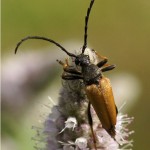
[
  {"x": 70, "y": 123},
  {"x": 81, "y": 142}
]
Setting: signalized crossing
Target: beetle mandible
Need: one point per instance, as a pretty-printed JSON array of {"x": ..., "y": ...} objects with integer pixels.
[{"x": 98, "y": 88}]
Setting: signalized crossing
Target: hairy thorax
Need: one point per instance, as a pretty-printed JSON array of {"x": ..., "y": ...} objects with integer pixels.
[{"x": 91, "y": 74}]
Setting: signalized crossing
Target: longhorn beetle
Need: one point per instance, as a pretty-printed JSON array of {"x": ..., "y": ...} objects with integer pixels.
[{"x": 98, "y": 88}]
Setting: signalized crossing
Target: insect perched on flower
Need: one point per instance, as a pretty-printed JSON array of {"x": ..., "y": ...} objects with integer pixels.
[{"x": 97, "y": 87}]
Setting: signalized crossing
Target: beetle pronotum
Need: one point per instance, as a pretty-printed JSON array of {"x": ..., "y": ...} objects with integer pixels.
[{"x": 98, "y": 88}]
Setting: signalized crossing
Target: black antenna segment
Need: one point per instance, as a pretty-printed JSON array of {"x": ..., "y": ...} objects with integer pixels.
[
  {"x": 86, "y": 25},
  {"x": 45, "y": 39}
]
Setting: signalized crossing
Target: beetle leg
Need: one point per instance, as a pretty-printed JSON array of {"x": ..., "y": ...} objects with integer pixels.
[
  {"x": 91, "y": 124},
  {"x": 107, "y": 68},
  {"x": 102, "y": 63},
  {"x": 62, "y": 63},
  {"x": 116, "y": 110},
  {"x": 112, "y": 132},
  {"x": 72, "y": 71},
  {"x": 71, "y": 77},
  {"x": 68, "y": 68},
  {"x": 67, "y": 62},
  {"x": 100, "y": 56}
]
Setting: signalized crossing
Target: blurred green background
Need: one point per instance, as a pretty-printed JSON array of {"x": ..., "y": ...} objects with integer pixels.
[{"x": 118, "y": 29}]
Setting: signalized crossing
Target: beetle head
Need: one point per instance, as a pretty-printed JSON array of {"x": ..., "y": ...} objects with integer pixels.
[{"x": 82, "y": 60}]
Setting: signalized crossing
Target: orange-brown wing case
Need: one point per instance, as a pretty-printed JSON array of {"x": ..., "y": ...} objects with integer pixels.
[{"x": 102, "y": 100}]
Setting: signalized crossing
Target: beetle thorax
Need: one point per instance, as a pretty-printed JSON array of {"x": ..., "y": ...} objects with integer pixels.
[{"x": 91, "y": 74}]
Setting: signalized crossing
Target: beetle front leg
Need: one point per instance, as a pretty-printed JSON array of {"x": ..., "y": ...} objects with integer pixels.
[
  {"x": 100, "y": 56},
  {"x": 66, "y": 64},
  {"x": 102, "y": 63},
  {"x": 68, "y": 68},
  {"x": 71, "y": 77},
  {"x": 107, "y": 68}
]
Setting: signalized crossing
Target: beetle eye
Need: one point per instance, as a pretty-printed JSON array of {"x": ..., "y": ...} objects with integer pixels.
[{"x": 77, "y": 61}]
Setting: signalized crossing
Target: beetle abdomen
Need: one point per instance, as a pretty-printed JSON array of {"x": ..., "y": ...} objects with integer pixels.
[{"x": 102, "y": 99}]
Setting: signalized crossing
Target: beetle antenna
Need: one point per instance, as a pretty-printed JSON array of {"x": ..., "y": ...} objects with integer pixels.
[
  {"x": 86, "y": 25},
  {"x": 45, "y": 39}
]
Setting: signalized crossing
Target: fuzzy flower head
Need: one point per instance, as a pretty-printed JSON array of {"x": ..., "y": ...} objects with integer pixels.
[{"x": 67, "y": 126}]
